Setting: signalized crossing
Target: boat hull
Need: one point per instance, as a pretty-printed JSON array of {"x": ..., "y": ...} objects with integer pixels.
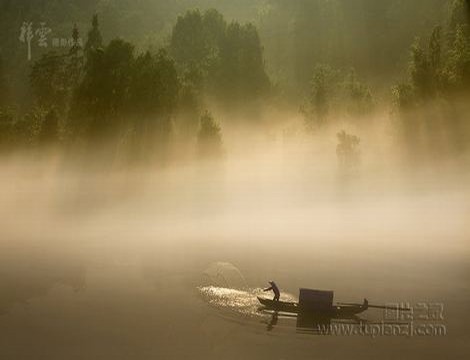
[
  {"x": 291, "y": 307},
  {"x": 279, "y": 305}
]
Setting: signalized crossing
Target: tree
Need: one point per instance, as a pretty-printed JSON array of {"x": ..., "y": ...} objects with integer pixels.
[
  {"x": 404, "y": 98},
  {"x": 458, "y": 16},
  {"x": 434, "y": 72},
  {"x": 209, "y": 137},
  {"x": 323, "y": 87},
  {"x": 75, "y": 58},
  {"x": 122, "y": 92},
  {"x": 190, "y": 102},
  {"x": 3, "y": 85},
  {"x": 223, "y": 54},
  {"x": 154, "y": 85},
  {"x": 49, "y": 81},
  {"x": 458, "y": 64},
  {"x": 7, "y": 122},
  {"x": 334, "y": 89},
  {"x": 27, "y": 127},
  {"x": 196, "y": 38},
  {"x": 103, "y": 95},
  {"x": 153, "y": 98},
  {"x": 348, "y": 150},
  {"x": 358, "y": 95},
  {"x": 421, "y": 72},
  {"x": 241, "y": 76},
  {"x": 95, "y": 40},
  {"x": 188, "y": 42},
  {"x": 467, "y": 10},
  {"x": 214, "y": 27},
  {"x": 435, "y": 51},
  {"x": 50, "y": 128},
  {"x": 426, "y": 66}
]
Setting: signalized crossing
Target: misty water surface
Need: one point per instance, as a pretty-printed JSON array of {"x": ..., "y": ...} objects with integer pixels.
[{"x": 120, "y": 264}]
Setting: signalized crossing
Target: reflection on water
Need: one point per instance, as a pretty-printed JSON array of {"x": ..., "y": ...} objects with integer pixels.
[{"x": 315, "y": 324}]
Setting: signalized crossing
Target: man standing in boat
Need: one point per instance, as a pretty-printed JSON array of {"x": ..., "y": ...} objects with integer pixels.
[{"x": 275, "y": 289}]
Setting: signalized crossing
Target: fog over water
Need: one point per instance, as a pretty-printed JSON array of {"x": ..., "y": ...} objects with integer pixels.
[
  {"x": 166, "y": 261},
  {"x": 161, "y": 161}
]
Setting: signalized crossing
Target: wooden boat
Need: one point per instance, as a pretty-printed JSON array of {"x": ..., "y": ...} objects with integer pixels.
[
  {"x": 290, "y": 307},
  {"x": 332, "y": 311},
  {"x": 320, "y": 303}
]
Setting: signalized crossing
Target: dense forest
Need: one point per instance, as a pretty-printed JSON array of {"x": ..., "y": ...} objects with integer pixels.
[{"x": 138, "y": 74}]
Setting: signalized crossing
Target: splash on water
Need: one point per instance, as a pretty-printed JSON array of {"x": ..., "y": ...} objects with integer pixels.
[
  {"x": 244, "y": 302},
  {"x": 224, "y": 275},
  {"x": 224, "y": 287}
]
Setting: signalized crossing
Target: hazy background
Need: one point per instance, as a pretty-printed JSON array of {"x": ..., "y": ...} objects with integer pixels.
[{"x": 315, "y": 143}]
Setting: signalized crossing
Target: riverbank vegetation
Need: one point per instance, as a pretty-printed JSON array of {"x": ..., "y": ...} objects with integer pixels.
[{"x": 334, "y": 64}]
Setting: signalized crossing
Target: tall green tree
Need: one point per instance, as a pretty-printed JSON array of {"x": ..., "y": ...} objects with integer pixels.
[
  {"x": 435, "y": 51},
  {"x": 467, "y": 10},
  {"x": 196, "y": 38},
  {"x": 103, "y": 95},
  {"x": 421, "y": 71},
  {"x": 404, "y": 97},
  {"x": 426, "y": 66},
  {"x": 7, "y": 123},
  {"x": 347, "y": 150},
  {"x": 188, "y": 44},
  {"x": 209, "y": 138},
  {"x": 76, "y": 58},
  {"x": 154, "y": 86},
  {"x": 241, "y": 76},
  {"x": 49, "y": 81},
  {"x": 94, "y": 40},
  {"x": 3, "y": 85},
  {"x": 458, "y": 64},
  {"x": 190, "y": 102},
  {"x": 229, "y": 57},
  {"x": 358, "y": 96},
  {"x": 458, "y": 16},
  {"x": 323, "y": 89},
  {"x": 49, "y": 132},
  {"x": 154, "y": 91}
]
